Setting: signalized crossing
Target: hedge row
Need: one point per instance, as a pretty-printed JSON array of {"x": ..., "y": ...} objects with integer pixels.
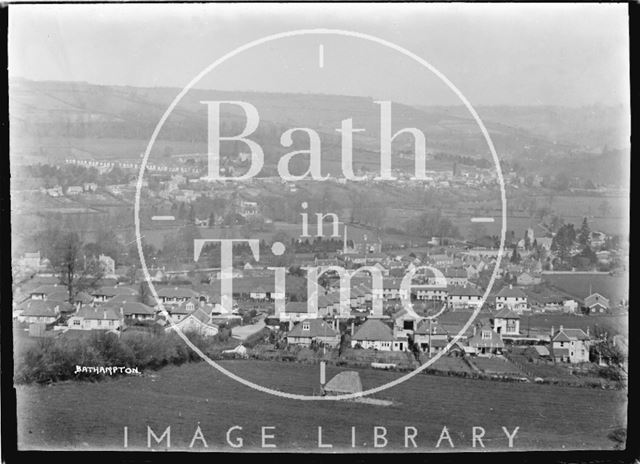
[{"x": 55, "y": 359}]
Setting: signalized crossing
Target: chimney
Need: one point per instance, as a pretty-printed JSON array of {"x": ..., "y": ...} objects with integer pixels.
[
  {"x": 552, "y": 330},
  {"x": 560, "y": 328},
  {"x": 510, "y": 286},
  {"x": 588, "y": 332},
  {"x": 353, "y": 328},
  {"x": 474, "y": 330}
]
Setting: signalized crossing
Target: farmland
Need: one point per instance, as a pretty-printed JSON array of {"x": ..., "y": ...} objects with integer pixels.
[{"x": 92, "y": 415}]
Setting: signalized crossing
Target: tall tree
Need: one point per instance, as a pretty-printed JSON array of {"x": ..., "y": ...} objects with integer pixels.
[
  {"x": 584, "y": 236},
  {"x": 76, "y": 273}
]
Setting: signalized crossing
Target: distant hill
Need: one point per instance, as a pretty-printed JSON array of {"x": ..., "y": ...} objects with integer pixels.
[
  {"x": 53, "y": 120},
  {"x": 591, "y": 128}
]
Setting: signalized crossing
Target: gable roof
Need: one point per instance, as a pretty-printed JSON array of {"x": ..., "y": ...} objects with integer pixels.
[
  {"x": 596, "y": 298},
  {"x": 569, "y": 335},
  {"x": 97, "y": 313},
  {"x": 494, "y": 342},
  {"x": 506, "y": 313},
  {"x": 130, "y": 308},
  {"x": 459, "y": 290},
  {"x": 436, "y": 329},
  {"x": 47, "y": 289},
  {"x": 317, "y": 328},
  {"x": 113, "y": 291},
  {"x": 38, "y": 308},
  {"x": 509, "y": 292},
  {"x": 373, "y": 330}
]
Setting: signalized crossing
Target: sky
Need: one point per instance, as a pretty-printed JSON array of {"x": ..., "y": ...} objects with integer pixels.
[{"x": 495, "y": 54}]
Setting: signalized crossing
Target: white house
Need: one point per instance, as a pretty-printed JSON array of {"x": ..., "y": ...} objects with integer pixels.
[
  {"x": 506, "y": 322},
  {"x": 197, "y": 321},
  {"x": 95, "y": 319},
  {"x": 570, "y": 345},
  {"x": 305, "y": 332},
  {"x": 464, "y": 297},
  {"x": 375, "y": 335},
  {"x": 176, "y": 295},
  {"x": 430, "y": 292},
  {"x": 34, "y": 311},
  {"x": 596, "y": 303},
  {"x": 512, "y": 298}
]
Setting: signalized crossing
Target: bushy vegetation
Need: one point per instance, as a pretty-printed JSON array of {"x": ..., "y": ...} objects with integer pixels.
[{"x": 53, "y": 360}]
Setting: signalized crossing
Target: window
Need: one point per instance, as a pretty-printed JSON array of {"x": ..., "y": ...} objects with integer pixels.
[
  {"x": 99, "y": 322},
  {"x": 111, "y": 323},
  {"x": 408, "y": 325},
  {"x": 305, "y": 326},
  {"x": 486, "y": 335},
  {"x": 76, "y": 322}
]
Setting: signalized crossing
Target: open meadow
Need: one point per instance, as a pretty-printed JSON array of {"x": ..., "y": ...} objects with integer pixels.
[{"x": 84, "y": 415}]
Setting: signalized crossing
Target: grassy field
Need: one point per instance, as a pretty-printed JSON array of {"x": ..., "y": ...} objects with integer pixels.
[
  {"x": 498, "y": 366},
  {"x": 78, "y": 415}
]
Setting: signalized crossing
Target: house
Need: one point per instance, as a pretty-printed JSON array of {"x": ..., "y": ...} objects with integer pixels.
[
  {"x": 391, "y": 289},
  {"x": 570, "y": 345},
  {"x": 405, "y": 322},
  {"x": 545, "y": 242},
  {"x": 456, "y": 276},
  {"x": 249, "y": 208},
  {"x": 485, "y": 340},
  {"x": 55, "y": 191},
  {"x": 255, "y": 288},
  {"x": 42, "y": 292},
  {"x": 506, "y": 322},
  {"x": 374, "y": 334},
  {"x": 570, "y": 306},
  {"x": 431, "y": 337},
  {"x": 295, "y": 311},
  {"x": 90, "y": 186},
  {"x": 598, "y": 238},
  {"x": 464, "y": 297},
  {"x": 430, "y": 292},
  {"x": 176, "y": 295},
  {"x": 525, "y": 279},
  {"x": 74, "y": 190},
  {"x": 100, "y": 318},
  {"x": 104, "y": 294},
  {"x": 596, "y": 303},
  {"x": 202, "y": 222},
  {"x": 513, "y": 298},
  {"x": 133, "y": 310},
  {"x": 38, "y": 311},
  {"x": 306, "y": 332},
  {"x": 196, "y": 321}
]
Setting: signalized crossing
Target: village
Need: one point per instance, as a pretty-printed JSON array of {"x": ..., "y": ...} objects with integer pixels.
[{"x": 530, "y": 326}]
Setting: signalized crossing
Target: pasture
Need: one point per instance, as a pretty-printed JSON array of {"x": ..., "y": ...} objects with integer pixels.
[{"x": 83, "y": 415}]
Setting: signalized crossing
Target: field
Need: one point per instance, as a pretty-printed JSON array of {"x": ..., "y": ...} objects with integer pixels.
[
  {"x": 498, "y": 366},
  {"x": 79, "y": 415},
  {"x": 580, "y": 285}
]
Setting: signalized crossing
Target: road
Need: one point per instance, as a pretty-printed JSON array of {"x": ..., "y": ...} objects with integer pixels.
[{"x": 241, "y": 332}]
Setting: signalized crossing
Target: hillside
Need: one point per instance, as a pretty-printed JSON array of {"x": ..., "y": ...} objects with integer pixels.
[{"x": 53, "y": 120}]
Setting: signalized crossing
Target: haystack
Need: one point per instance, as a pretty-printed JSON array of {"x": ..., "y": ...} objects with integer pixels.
[{"x": 344, "y": 383}]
